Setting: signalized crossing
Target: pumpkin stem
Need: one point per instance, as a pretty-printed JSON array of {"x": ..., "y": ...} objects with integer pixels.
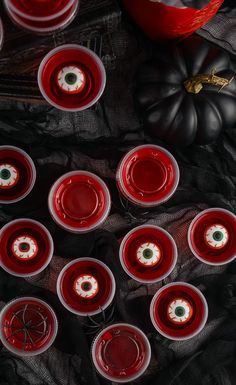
[{"x": 195, "y": 84}]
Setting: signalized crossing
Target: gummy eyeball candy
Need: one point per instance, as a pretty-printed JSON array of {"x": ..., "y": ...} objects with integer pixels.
[
  {"x": 86, "y": 286},
  {"x": 216, "y": 236},
  {"x": 9, "y": 176},
  {"x": 148, "y": 254},
  {"x": 179, "y": 311},
  {"x": 71, "y": 79},
  {"x": 25, "y": 247}
]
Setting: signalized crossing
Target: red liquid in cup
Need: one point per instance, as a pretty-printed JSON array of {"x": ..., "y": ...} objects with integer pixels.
[
  {"x": 28, "y": 326},
  {"x": 64, "y": 70},
  {"x": 207, "y": 248},
  {"x": 17, "y": 174},
  {"x": 148, "y": 254},
  {"x": 42, "y": 16},
  {"x": 178, "y": 311},
  {"x": 79, "y": 201},
  {"x": 86, "y": 286},
  {"x": 121, "y": 353},
  {"x": 148, "y": 175},
  {"x": 26, "y": 247}
]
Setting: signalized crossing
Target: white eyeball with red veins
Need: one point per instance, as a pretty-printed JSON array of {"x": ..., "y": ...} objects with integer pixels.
[
  {"x": 9, "y": 176},
  {"x": 216, "y": 236},
  {"x": 179, "y": 311},
  {"x": 71, "y": 79},
  {"x": 25, "y": 247},
  {"x": 86, "y": 286},
  {"x": 148, "y": 254}
]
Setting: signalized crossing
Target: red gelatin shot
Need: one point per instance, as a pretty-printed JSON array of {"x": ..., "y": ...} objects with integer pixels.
[
  {"x": 17, "y": 174},
  {"x": 148, "y": 175},
  {"x": 28, "y": 326},
  {"x": 42, "y": 16},
  {"x": 79, "y": 201},
  {"x": 71, "y": 77},
  {"x": 121, "y": 353},
  {"x": 86, "y": 286},
  {"x": 148, "y": 254},
  {"x": 179, "y": 311},
  {"x": 26, "y": 247},
  {"x": 211, "y": 236}
]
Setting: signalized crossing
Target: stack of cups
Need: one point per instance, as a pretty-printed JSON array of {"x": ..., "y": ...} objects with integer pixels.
[{"x": 42, "y": 16}]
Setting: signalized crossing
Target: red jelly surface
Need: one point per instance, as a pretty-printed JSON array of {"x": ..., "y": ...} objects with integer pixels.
[
  {"x": 28, "y": 326},
  {"x": 39, "y": 8},
  {"x": 45, "y": 25},
  {"x": 26, "y": 171},
  {"x": 72, "y": 55},
  {"x": 148, "y": 175},
  {"x": 159, "y": 311},
  {"x": 20, "y": 228},
  {"x": 196, "y": 236},
  {"x": 121, "y": 352},
  {"x": 66, "y": 286},
  {"x": 142, "y": 235},
  {"x": 79, "y": 201}
]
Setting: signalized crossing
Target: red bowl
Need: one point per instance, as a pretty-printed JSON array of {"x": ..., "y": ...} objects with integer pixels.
[
  {"x": 211, "y": 236},
  {"x": 121, "y": 353},
  {"x": 26, "y": 247},
  {"x": 148, "y": 254},
  {"x": 71, "y": 77},
  {"x": 79, "y": 201},
  {"x": 28, "y": 326},
  {"x": 17, "y": 174},
  {"x": 42, "y": 16},
  {"x": 86, "y": 286},
  {"x": 179, "y": 311},
  {"x": 148, "y": 175}
]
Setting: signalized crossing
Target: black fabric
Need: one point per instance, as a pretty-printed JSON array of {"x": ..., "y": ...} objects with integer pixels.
[{"x": 95, "y": 140}]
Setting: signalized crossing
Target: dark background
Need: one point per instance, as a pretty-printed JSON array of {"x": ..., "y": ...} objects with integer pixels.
[{"x": 95, "y": 140}]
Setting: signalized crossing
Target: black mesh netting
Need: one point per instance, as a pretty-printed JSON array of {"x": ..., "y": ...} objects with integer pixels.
[{"x": 95, "y": 140}]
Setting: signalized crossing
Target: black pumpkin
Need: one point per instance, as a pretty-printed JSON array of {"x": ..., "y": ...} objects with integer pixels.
[{"x": 181, "y": 117}]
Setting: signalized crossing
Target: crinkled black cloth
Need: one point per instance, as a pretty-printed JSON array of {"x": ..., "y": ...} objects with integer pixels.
[{"x": 95, "y": 140}]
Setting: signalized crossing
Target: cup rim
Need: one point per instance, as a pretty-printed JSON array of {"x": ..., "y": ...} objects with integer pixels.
[
  {"x": 194, "y": 220},
  {"x": 51, "y": 250},
  {"x": 40, "y": 350},
  {"x": 33, "y": 169},
  {"x": 100, "y": 309},
  {"x": 78, "y": 48},
  {"x": 14, "y": 9},
  {"x": 200, "y": 327},
  {"x": 175, "y": 257},
  {"x": 147, "y": 360},
  {"x": 59, "y": 221},
  {"x": 135, "y": 200},
  {"x": 17, "y": 21}
]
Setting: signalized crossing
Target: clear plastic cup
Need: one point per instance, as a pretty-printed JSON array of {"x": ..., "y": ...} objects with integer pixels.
[
  {"x": 79, "y": 201},
  {"x": 26, "y": 247},
  {"x": 1, "y": 34},
  {"x": 179, "y": 311},
  {"x": 121, "y": 353},
  {"x": 17, "y": 174},
  {"x": 42, "y": 16},
  {"x": 148, "y": 175},
  {"x": 71, "y": 77},
  {"x": 86, "y": 286},
  {"x": 211, "y": 236},
  {"x": 28, "y": 326},
  {"x": 148, "y": 253}
]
